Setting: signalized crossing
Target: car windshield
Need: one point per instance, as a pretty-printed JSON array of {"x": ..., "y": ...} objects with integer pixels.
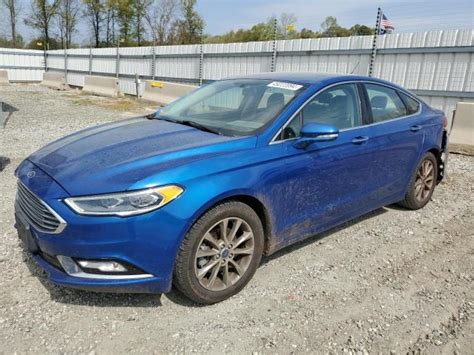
[{"x": 235, "y": 107}]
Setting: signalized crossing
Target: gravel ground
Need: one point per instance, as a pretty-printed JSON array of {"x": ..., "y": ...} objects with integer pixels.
[{"x": 392, "y": 281}]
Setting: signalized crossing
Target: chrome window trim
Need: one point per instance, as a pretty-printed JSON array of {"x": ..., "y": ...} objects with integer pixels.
[
  {"x": 62, "y": 222},
  {"x": 274, "y": 141}
]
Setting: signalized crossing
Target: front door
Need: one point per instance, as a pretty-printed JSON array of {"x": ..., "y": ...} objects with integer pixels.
[{"x": 328, "y": 182}]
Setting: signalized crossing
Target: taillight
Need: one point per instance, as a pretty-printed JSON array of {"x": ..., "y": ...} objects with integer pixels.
[{"x": 445, "y": 123}]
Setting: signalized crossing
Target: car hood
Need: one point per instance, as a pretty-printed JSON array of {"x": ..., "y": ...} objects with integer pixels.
[{"x": 117, "y": 156}]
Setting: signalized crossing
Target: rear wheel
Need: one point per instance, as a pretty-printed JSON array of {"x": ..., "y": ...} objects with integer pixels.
[
  {"x": 220, "y": 254},
  {"x": 422, "y": 183}
]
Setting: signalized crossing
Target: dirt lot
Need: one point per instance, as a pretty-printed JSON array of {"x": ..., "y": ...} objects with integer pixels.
[{"x": 392, "y": 281}]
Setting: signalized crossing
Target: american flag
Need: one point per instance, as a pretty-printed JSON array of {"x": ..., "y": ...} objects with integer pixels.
[{"x": 386, "y": 24}]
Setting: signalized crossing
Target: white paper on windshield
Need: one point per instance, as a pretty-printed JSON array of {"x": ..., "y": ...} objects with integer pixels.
[{"x": 286, "y": 86}]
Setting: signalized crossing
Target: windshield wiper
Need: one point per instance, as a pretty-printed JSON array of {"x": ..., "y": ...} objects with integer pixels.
[
  {"x": 167, "y": 119},
  {"x": 151, "y": 116},
  {"x": 199, "y": 126},
  {"x": 186, "y": 123}
]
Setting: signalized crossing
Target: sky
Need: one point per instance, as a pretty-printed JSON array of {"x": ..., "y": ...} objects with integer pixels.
[
  {"x": 407, "y": 15},
  {"x": 225, "y": 15}
]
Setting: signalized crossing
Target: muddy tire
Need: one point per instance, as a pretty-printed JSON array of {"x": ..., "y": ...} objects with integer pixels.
[
  {"x": 220, "y": 253},
  {"x": 422, "y": 183}
]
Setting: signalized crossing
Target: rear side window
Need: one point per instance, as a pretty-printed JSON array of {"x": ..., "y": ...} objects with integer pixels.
[
  {"x": 411, "y": 104},
  {"x": 385, "y": 103}
]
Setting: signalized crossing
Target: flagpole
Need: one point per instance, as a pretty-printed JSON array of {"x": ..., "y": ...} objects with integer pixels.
[{"x": 373, "y": 53}]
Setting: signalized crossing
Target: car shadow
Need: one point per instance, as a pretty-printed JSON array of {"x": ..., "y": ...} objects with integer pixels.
[
  {"x": 396, "y": 207},
  {"x": 88, "y": 298},
  {"x": 310, "y": 240}
]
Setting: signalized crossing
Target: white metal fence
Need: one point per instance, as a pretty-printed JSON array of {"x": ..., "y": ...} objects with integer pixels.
[
  {"x": 437, "y": 65},
  {"x": 22, "y": 65}
]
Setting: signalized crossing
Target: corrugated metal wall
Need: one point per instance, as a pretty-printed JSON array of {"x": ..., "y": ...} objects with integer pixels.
[
  {"x": 437, "y": 65},
  {"x": 22, "y": 65}
]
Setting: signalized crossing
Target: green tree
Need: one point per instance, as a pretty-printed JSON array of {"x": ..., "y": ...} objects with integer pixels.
[
  {"x": 8, "y": 43},
  {"x": 12, "y": 7},
  {"x": 67, "y": 20},
  {"x": 286, "y": 26},
  {"x": 361, "y": 30},
  {"x": 125, "y": 17},
  {"x": 41, "y": 17},
  {"x": 307, "y": 33},
  {"x": 160, "y": 16},
  {"x": 331, "y": 28},
  {"x": 39, "y": 43},
  {"x": 191, "y": 25},
  {"x": 260, "y": 32},
  {"x": 139, "y": 8},
  {"x": 94, "y": 13}
]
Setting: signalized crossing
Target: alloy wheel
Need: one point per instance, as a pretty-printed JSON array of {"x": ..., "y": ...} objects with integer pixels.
[
  {"x": 424, "y": 180},
  {"x": 224, "y": 254}
]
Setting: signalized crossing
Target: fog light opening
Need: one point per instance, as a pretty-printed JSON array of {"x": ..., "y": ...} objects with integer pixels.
[
  {"x": 101, "y": 269},
  {"x": 103, "y": 266}
]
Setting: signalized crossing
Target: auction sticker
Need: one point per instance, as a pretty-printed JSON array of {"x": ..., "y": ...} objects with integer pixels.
[{"x": 287, "y": 86}]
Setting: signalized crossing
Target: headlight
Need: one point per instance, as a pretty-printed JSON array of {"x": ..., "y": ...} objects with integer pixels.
[{"x": 125, "y": 203}]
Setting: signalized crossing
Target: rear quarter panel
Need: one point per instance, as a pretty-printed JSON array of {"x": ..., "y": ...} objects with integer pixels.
[{"x": 433, "y": 124}]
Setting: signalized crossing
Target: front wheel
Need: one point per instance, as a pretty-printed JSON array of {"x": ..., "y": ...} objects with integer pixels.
[
  {"x": 220, "y": 254},
  {"x": 422, "y": 183}
]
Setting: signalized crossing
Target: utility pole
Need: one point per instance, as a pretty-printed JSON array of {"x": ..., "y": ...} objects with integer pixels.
[
  {"x": 153, "y": 57},
  {"x": 117, "y": 59},
  {"x": 373, "y": 53},
  {"x": 201, "y": 57},
  {"x": 274, "y": 45},
  {"x": 90, "y": 56},
  {"x": 65, "y": 60}
]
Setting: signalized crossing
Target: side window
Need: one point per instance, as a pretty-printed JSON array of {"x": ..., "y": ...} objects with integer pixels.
[
  {"x": 338, "y": 106},
  {"x": 385, "y": 103},
  {"x": 411, "y": 104}
]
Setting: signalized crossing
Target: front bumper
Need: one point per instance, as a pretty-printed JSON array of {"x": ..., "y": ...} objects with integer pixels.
[
  {"x": 146, "y": 285},
  {"x": 149, "y": 242}
]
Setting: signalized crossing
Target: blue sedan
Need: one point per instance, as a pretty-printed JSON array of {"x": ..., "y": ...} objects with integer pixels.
[{"x": 195, "y": 194}]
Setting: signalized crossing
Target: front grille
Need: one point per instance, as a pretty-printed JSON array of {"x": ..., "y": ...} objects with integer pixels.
[{"x": 40, "y": 215}]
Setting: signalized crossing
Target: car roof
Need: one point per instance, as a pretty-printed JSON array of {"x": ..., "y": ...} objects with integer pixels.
[{"x": 309, "y": 78}]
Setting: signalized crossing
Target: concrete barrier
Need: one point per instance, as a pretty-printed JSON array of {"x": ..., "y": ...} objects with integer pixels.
[
  {"x": 101, "y": 86},
  {"x": 165, "y": 92},
  {"x": 54, "y": 80},
  {"x": 4, "y": 77},
  {"x": 461, "y": 138}
]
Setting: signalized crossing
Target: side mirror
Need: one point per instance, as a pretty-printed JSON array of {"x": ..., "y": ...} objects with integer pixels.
[{"x": 316, "y": 132}]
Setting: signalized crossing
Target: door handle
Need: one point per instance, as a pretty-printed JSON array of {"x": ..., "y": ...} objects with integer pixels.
[
  {"x": 415, "y": 128},
  {"x": 360, "y": 140}
]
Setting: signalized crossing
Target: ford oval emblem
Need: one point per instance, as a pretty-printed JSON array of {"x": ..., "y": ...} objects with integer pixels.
[{"x": 31, "y": 174}]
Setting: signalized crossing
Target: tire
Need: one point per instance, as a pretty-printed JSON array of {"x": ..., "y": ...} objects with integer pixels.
[
  {"x": 419, "y": 193},
  {"x": 196, "y": 276}
]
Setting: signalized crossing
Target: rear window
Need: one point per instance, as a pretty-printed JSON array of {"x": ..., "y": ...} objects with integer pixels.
[{"x": 411, "y": 104}]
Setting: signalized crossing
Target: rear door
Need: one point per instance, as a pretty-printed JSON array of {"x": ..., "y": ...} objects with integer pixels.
[{"x": 397, "y": 134}]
